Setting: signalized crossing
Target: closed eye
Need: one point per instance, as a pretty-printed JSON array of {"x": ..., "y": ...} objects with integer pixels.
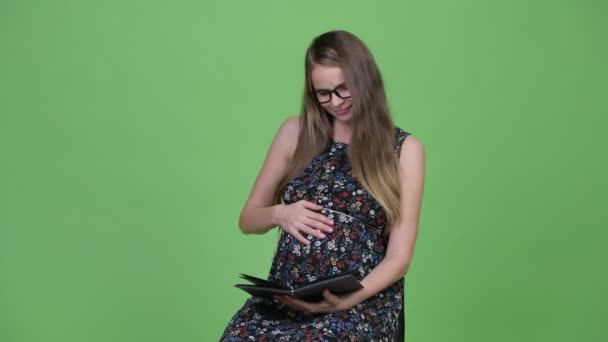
[{"x": 327, "y": 91}]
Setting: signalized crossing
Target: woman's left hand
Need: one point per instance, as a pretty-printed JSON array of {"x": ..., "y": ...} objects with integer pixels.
[{"x": 330, "y": 303}]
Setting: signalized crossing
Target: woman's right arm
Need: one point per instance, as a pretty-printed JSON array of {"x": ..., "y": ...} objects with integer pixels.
[{"x": 259, "y": 213}]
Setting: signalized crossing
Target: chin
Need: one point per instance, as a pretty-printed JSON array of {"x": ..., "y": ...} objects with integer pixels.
[
  {"x": 344, "y": 117},
  {"x": 343, "y": 113}
]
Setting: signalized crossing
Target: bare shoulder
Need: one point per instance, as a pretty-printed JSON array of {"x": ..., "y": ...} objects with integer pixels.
[
  {"x": 291, "y": 125},
  {"x": 276, "y": 162},
  {"x": 287, "y": 136},
  {"x": 412, "y": 151}
]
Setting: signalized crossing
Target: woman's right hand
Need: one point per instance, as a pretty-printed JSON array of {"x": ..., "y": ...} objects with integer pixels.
[{"x": 299, "y": 218}]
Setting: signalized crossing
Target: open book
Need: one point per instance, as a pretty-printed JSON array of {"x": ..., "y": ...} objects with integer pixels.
[{"x": 311, "y": 292}]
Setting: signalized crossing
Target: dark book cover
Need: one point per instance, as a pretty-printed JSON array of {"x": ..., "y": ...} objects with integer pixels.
[{"x": 311, "y": 292}]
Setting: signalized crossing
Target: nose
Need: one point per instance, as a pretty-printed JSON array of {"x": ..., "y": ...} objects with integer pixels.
[{"x": 336, "y": 101}]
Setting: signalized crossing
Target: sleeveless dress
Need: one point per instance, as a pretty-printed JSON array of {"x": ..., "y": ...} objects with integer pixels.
[{"x": 356, "y": 245}]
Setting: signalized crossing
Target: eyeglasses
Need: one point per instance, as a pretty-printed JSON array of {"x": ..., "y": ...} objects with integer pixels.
[{"x": 324, "y": 95}]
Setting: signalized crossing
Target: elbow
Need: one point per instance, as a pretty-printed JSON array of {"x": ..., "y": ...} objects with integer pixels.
[
  {"x": 247, "y": 224},
  {"x": 401, "y": 265},
  {"x": 403, "y": 270},
  {"x": 405, "y": 265},
  {"x": 243, "y": 227}
]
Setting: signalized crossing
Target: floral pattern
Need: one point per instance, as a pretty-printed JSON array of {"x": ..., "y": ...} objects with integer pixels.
[{"x": 356, "y": 246}]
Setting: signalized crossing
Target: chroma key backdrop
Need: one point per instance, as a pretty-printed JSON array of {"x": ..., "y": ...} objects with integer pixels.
[{"x": 131, "y": 133}]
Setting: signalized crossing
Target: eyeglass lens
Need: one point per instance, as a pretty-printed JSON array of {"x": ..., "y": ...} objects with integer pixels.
[{"x": 324, "y": 95}]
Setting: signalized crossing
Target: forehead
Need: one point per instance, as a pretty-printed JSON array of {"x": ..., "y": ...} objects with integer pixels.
[{"x": 326, "y": 77}]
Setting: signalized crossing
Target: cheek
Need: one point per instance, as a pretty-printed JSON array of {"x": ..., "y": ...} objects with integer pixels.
[{"x": 326, "y": 105}]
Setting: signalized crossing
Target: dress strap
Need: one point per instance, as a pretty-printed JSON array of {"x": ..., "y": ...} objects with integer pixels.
[{"x": 400, "y": 136}]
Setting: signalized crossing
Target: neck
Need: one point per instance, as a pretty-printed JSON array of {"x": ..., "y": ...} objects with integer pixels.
[{"x": 342, "y": 131}]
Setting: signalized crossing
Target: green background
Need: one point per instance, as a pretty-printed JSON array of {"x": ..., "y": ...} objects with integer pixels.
[{"x": 131, "y": 133}]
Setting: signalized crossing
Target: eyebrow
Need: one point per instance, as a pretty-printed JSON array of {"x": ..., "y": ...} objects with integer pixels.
[{"x": 336, "y": 87}]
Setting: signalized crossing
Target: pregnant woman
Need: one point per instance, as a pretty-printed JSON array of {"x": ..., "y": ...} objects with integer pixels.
[{"x": 345, "y": 187}]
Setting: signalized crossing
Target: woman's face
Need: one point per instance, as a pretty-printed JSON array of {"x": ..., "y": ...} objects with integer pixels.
[{"x": 331, "y": 91}]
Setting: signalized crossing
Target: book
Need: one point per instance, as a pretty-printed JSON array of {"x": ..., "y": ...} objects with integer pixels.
[{"x": 311, "y": 292}]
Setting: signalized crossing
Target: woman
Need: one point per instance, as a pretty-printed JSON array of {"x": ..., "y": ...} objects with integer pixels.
[{"x": 345, "y": 185}]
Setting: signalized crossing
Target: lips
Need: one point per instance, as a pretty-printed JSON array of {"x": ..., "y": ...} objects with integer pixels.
[{"x": 342, "y": 111}]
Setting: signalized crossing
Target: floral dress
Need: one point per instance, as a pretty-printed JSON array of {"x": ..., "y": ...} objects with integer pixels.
[{"x": 356, "y": 245}]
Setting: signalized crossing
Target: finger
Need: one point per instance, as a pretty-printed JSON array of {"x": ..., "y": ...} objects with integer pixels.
[
  {"x": 329, "y": 228},
  {"x": 322, "y": 222},
  {"x": 302, "y": 305},
  {"x": 282, "y": 299},
  {"x": 295, "y": 233},
  {"x": 319, "y": 226},
  {"x": 307, "y": 228},
  {"x": 293, "y": 303},
  {"x": 314, "y": 232},
  {"x": 330, "y": 297},
  {"x": 312, "y": 205}
]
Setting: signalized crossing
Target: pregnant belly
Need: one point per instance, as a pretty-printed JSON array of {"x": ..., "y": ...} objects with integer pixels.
[{"x": 353, "y": 247}]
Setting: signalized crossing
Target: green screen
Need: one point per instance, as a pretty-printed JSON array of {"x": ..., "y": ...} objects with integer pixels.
[{"x": 131, "y": 133}]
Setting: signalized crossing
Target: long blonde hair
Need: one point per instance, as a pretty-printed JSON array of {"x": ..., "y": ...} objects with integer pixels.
[{"x": 372, "y": 146}]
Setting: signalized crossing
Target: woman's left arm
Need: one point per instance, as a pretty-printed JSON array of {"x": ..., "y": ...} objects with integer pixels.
[{"x": 401, "y": 243}]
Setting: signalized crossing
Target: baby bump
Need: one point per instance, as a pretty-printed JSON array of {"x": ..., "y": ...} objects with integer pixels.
[{"x": 353, "y": 247}]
